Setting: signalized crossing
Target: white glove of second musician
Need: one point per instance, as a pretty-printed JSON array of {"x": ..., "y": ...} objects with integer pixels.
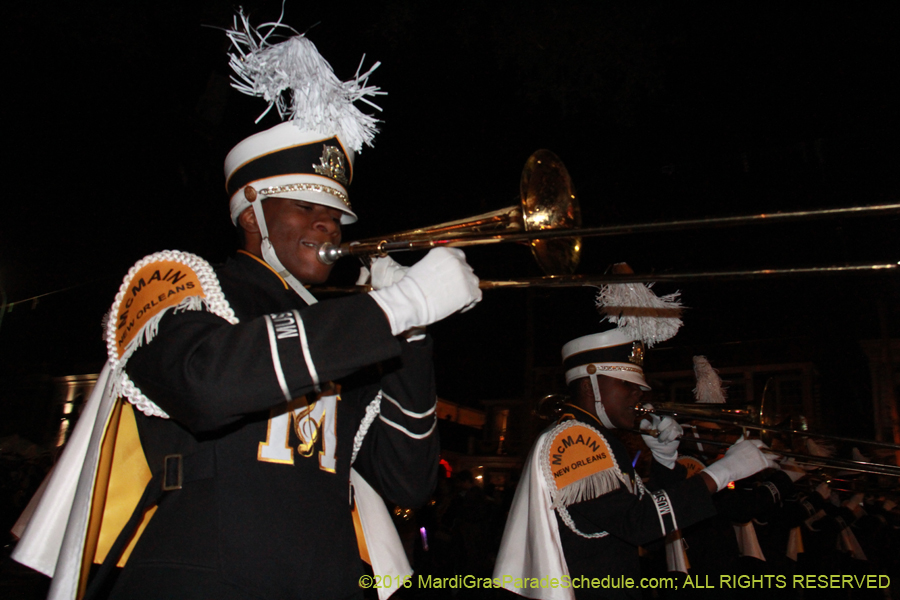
[
  {"x": 664, "y": 445},
  {"x": 434, "y": 288},
  {"x": 743, "y": 459}
]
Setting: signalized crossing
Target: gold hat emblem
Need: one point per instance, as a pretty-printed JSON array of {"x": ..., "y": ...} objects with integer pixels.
[
  {"x": 637, "y": 354},
  {"x": 333, "y": 165}
]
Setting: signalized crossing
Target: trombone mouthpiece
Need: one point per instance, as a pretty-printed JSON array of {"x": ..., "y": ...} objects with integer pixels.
[
  {"x": 640, "y": 410},
  {"x": 328, "y": 253}
]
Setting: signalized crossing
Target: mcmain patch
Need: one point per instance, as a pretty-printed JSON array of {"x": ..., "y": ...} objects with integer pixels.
[
  {"x": 578, "y": 464},
  {"x": 168, "y": 280}
]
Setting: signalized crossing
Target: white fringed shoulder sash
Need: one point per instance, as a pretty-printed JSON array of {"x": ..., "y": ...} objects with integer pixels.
[
  {"x": 165, "y": 281},
  {"x": 577, "y": 464}
]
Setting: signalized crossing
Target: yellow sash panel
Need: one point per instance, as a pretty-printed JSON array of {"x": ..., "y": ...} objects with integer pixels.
[
  {"x": 360, "y": 537},
  {"x": 98, "y": 498},
  {"x": 122, "y": 475},
  {"x": 128, "y": 478}
]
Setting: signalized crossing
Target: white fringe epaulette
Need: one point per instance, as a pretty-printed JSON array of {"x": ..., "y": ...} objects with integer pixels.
[
  {"x": 709, "y": 388},
  {"x": 212, "y": 300},
  {"x": 586, "y": 488},
  {"x": 318, "y": 100},
  {"x": 639, "y": 313}
]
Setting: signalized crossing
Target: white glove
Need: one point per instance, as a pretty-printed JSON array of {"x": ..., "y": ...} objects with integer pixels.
[
  {"x": 743, "y": 459},
  {"x": 385, "y": 271},
  {"x": 434, "y": 288},
  {"x": 855, "y": 502},
  {"x": 665, "y": 445},
  {"x": 792, "y": 469}
]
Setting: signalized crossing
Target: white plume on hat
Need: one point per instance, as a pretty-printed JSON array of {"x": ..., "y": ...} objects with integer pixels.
[
  {"x": 709, "y": 388},
  {"x": 318, "y": 100},
  {"x": 638, "y": 312}
]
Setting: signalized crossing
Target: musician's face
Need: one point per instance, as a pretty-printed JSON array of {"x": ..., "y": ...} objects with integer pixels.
[
  {"x": 618, "y": 397},
  {"x": 296, "y": 229}
]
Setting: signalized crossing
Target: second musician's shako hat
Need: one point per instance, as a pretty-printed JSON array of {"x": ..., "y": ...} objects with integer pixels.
[
  {"x": 642, "y": 319},
  {"x": 612, "y": 353}
]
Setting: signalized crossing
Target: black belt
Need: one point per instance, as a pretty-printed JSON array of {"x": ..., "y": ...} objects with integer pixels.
[{"x": 177, "y": 470}]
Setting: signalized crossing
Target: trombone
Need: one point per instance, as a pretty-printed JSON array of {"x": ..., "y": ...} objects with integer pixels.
[
  {"x": 745, "y": 418},
  {"x": 547, "y": 204},
  {"x": 550, "y": 407},
  {"x": 548, "y": 218}
]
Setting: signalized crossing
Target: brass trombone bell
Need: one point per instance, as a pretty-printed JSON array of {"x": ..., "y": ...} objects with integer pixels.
[{"x": 547, "y": 203}]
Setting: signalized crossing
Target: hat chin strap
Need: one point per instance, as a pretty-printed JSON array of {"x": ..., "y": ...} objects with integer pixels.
[
  {"x": 598, "y": 404},
  {"x": 268, "y": 252}
]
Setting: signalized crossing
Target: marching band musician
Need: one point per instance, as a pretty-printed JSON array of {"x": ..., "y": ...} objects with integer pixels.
[
  {"x": 727, "y": 543},
  {"x": 254, "y": 409},
  {"x": 580, "y": 511}
]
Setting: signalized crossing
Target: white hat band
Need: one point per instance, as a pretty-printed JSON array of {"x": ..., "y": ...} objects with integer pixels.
[{"x": 624, "y": 371}]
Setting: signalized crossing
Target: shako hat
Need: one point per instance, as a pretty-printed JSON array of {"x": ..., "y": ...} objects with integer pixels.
[
  {"x": 288, "y": 162},
  {"x": 310, "y": 156},
  {"x": 642, "y": 319},
  {"x": 612, "y": 353}
]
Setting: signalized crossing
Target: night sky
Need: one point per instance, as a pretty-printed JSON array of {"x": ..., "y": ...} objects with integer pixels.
[{"x": 119, "y": 118}]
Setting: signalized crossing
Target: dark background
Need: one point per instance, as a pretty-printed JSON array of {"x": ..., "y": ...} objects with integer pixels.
[{"x": 119, "y": 116}]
